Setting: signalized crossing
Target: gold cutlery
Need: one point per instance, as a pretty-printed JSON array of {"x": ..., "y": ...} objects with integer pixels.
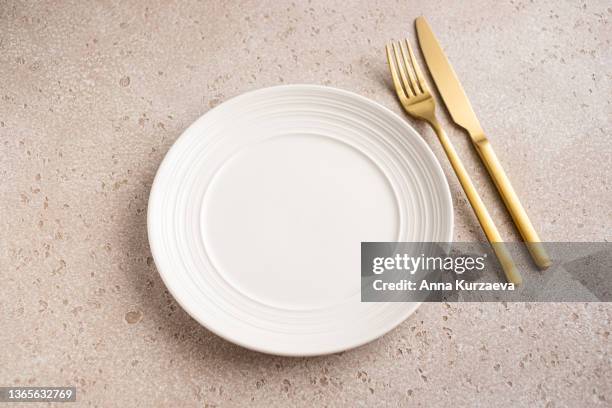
[
  {"x": 461, "y": 111},
  {"x": 414, "y": 95}
]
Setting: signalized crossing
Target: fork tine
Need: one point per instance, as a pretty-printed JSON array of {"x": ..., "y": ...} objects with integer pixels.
[
  {"x": 408, "y": 63},
  {"x": 402, "y": 71},
  {"x": 396, "y": 79},
  {"x": 417, "y": 69}
]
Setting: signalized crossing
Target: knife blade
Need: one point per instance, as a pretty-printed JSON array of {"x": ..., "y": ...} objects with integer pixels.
[{"x": 446, "y": 80}]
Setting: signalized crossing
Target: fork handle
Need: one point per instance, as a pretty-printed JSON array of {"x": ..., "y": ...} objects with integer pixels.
[
  {"x": 485, "y": 220},
  {"x": 511, "y": 200}
]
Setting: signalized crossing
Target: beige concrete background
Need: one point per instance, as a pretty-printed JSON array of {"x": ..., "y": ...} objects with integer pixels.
[{"x": 92, "y": 95}]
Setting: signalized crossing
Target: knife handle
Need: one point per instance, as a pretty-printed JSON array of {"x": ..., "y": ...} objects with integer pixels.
[
  {"x": 485, "y": 220},
  {"x": 511, "y": 200}
]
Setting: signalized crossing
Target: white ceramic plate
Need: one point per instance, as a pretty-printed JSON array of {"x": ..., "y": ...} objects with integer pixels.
[{"x": 258, "y": 210}]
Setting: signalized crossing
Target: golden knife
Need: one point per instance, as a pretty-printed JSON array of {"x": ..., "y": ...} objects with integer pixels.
[{"x": 461, "y": 111}]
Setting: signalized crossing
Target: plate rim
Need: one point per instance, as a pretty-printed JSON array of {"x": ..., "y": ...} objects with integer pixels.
[{"x": 155, "y": 192}]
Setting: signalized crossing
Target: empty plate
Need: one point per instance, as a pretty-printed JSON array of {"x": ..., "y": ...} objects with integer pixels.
[{"x": 257, "y": 213}]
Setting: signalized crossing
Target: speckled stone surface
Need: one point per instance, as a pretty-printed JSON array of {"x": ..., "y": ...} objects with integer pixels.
[{"x": 92, "y": 95}]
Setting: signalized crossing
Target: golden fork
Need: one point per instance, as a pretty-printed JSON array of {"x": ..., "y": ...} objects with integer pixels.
[{"x": 417, "y": 101}]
